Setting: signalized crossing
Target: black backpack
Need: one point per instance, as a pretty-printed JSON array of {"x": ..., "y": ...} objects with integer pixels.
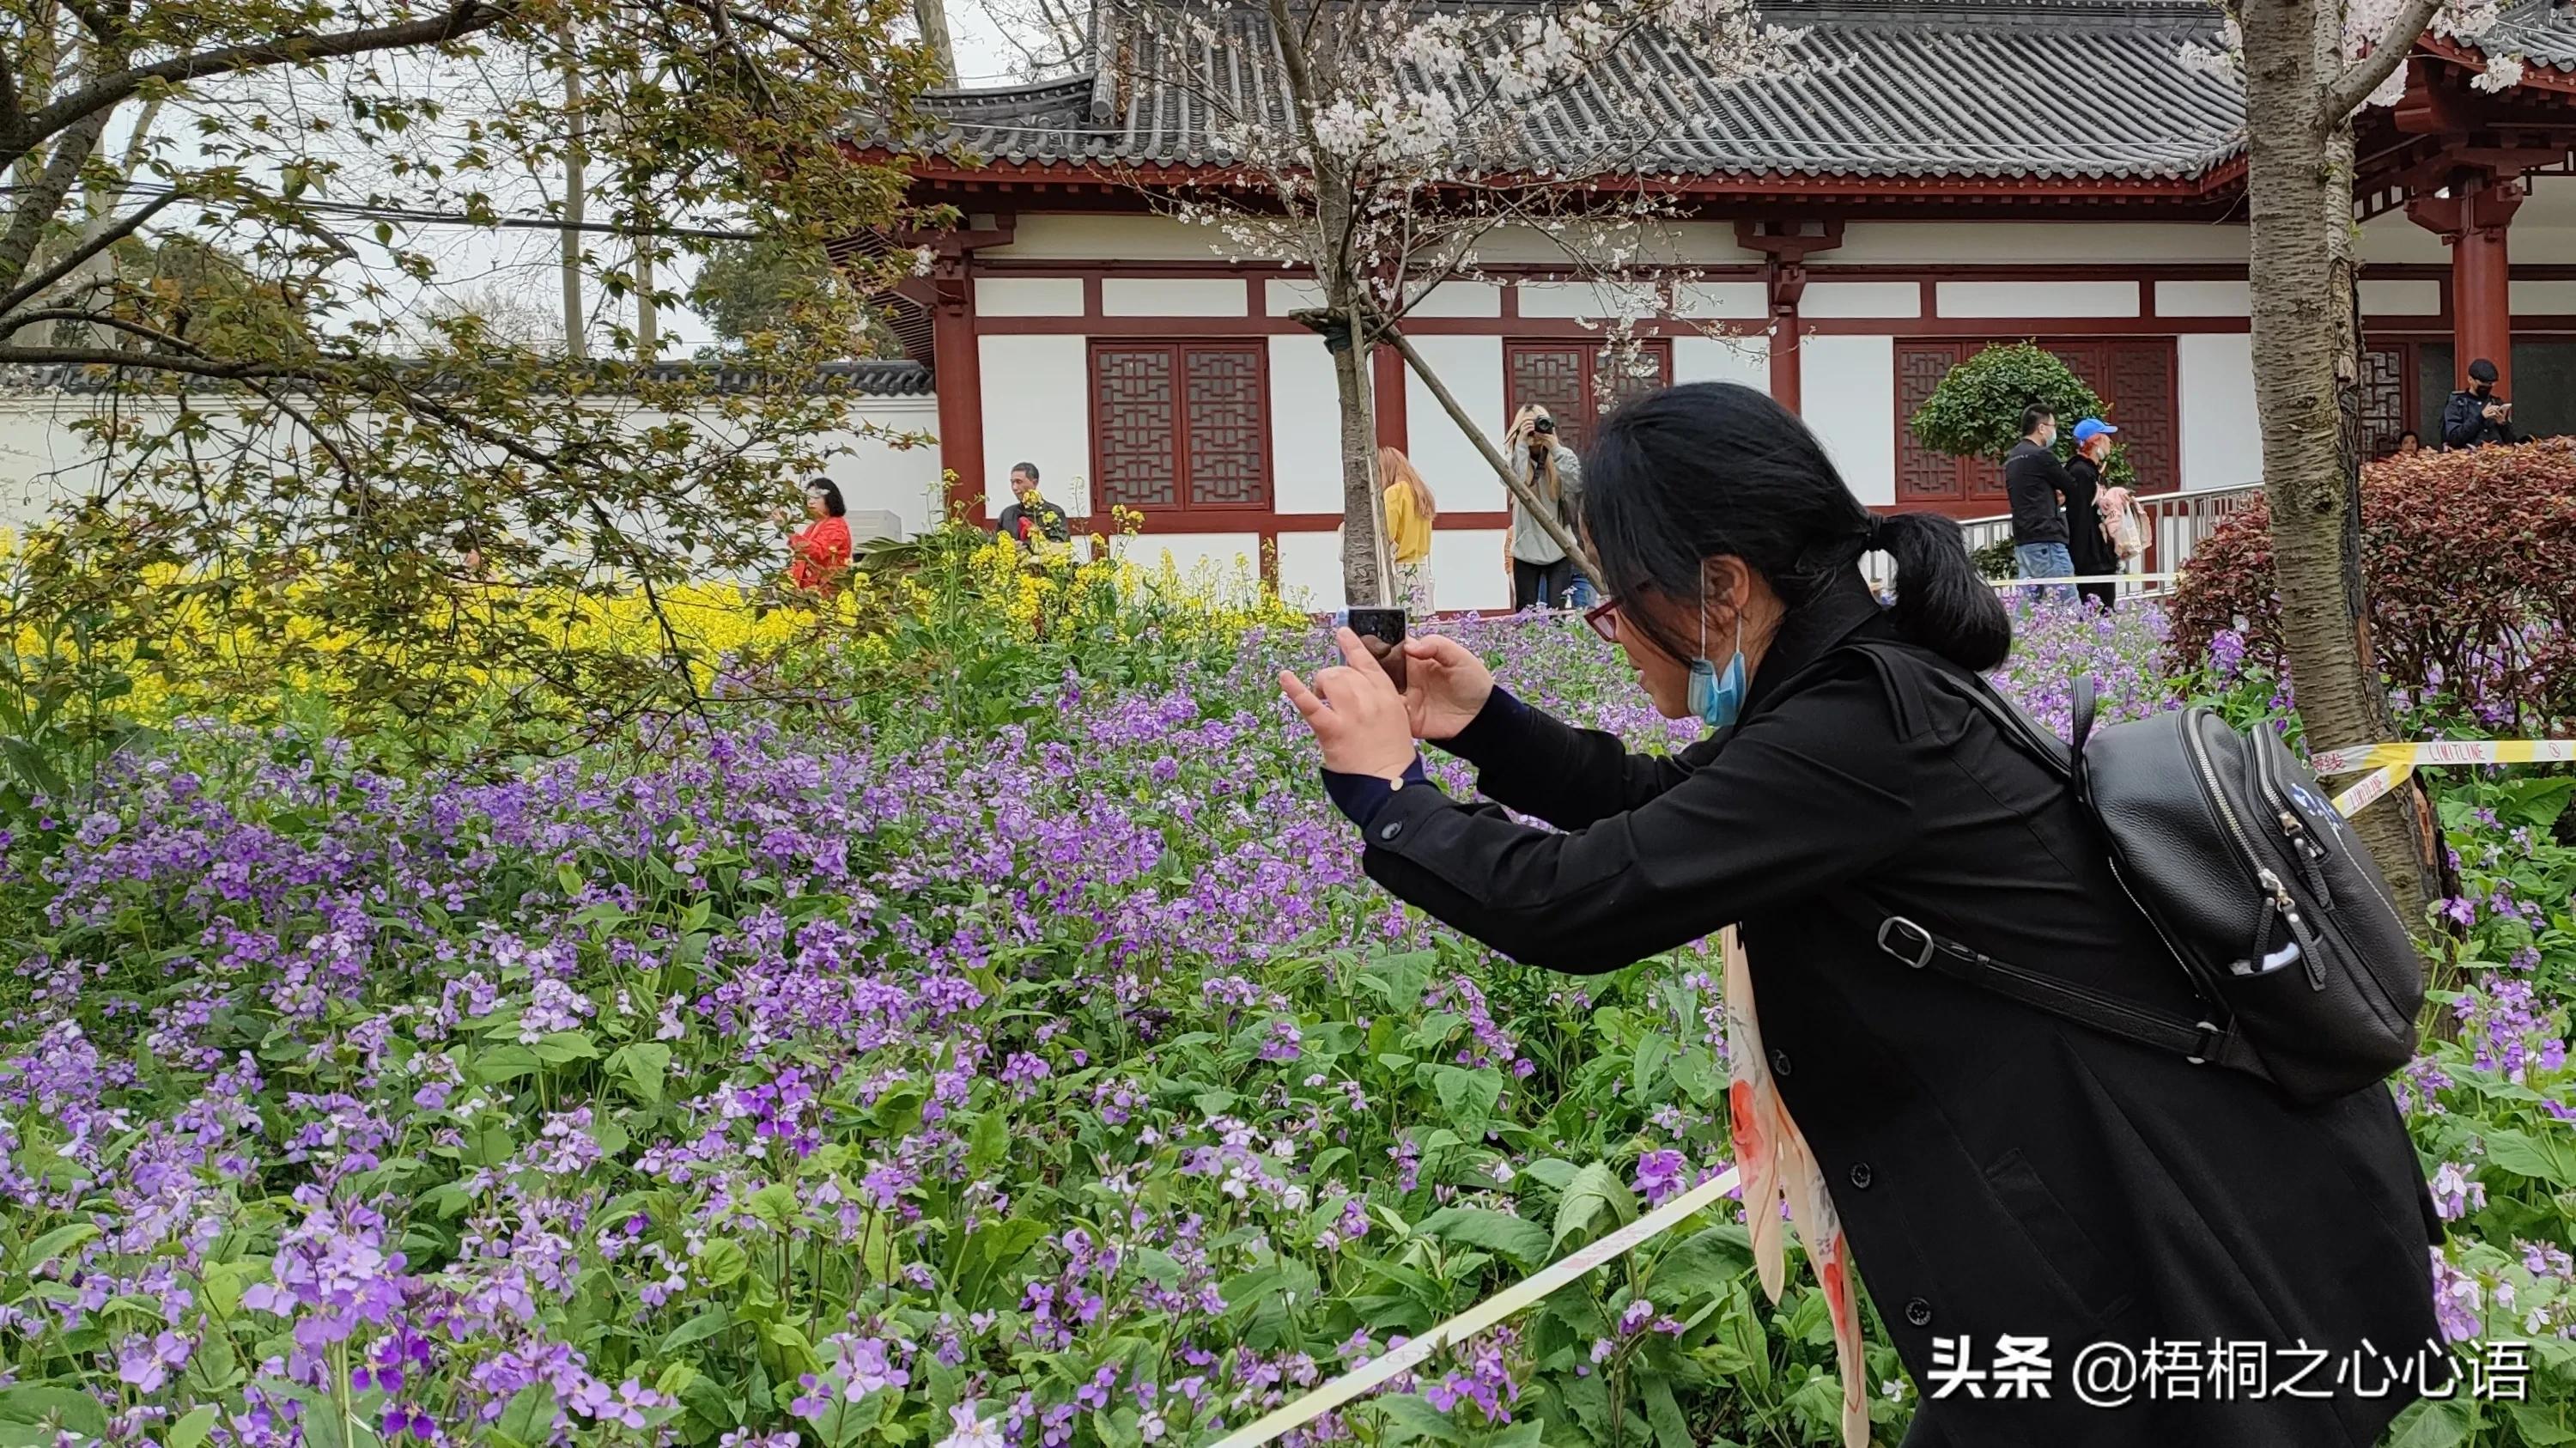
[{"x": 2264, "y": 895}]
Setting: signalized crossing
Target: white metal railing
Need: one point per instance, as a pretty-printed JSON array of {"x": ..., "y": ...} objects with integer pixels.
[{"x": 2173, "y": 525}]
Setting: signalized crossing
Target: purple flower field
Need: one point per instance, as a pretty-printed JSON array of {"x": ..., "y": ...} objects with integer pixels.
[{"x": 1060, "y": 1085}]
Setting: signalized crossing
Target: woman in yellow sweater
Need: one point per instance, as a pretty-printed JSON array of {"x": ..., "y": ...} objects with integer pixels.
[{"x": 1410, "y": 513}]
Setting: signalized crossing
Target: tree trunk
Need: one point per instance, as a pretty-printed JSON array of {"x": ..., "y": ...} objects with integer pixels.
[
  {"x": 1364, "y": 580},
  {"x": 2306, "y": 354},
  {"x": 576, "y": 189},
  {"x": 932, "y": 16},
  {"x": 648, "y": 313}
]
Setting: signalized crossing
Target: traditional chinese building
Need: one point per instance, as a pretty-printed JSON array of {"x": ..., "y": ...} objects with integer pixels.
[{"x": 1956, "y": 173}]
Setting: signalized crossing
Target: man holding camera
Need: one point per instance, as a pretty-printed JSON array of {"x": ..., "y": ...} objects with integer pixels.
[
  {"x": 2475, "y": 416},
  {"x": 1542, "y": 576}
]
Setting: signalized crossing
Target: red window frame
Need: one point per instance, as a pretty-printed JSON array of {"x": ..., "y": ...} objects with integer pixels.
[
  {"x": 2138, "y": 377},
  {"x": 1574, "y": 426},
  {"x": 1179, "y": 429}
]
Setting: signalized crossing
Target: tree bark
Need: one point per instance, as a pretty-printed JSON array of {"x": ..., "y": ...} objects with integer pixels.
[
  {"x": 2306, "y": 356},
  {"x": 576, "y": 187},
  {"x": 932, "y": 16},
  {"x": 1364, "y": 578}
]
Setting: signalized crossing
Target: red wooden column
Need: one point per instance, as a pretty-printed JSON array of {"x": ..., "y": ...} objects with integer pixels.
[
  {"x": 1786, "y": 245},
  {"x": 1387, "y": 398},
  {"x": 2481, "y": 285},
  {"x": 960, "y": 377},
  {"x": 2472, "y": 221}
]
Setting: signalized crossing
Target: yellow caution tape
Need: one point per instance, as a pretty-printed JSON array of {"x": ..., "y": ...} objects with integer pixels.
[
  {"x": 1527, "y": 1292},
  {"x": 2389, "y": 764}
]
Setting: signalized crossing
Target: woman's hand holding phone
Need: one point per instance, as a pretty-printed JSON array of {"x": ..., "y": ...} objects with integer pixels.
[
  {"x": 1446, "y": 686},
  {"x": 1356, "y": 713}
]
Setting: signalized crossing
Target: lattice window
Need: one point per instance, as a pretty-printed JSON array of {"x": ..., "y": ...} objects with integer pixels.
[
  {"x": 1180, "y": 425},
  {"x": 1577, "y": 382},
  {"x": 1923, "y": 476},
  {"x": 2383, "y": 399},
  {"x": 2134, "y": 376}
]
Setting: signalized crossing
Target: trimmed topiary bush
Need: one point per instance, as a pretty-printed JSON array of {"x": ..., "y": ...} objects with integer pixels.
[
  {"x": 1976, "y": 411},
  {"x": 2466, "y": 558}
]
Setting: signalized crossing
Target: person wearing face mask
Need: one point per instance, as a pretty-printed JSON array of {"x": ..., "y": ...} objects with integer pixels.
[{"x": 1992, "y": 1169}]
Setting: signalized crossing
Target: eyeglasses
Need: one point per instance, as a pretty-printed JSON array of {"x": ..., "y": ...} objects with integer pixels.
[{"x": 1603, "y": 618}]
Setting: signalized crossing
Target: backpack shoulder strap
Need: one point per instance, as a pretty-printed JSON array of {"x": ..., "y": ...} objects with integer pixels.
[{"x": 2017, "y": 727}]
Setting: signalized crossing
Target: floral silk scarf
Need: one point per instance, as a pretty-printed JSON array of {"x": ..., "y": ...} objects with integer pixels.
[{"x": 1775, "y": 1165}]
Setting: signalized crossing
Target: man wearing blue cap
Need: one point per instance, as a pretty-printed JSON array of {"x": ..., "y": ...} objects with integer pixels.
[{"x": 2086, "y": 543}]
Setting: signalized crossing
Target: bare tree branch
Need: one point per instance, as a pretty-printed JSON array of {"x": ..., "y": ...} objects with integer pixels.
[
  {"x": 36, "y": 205},
  {"x": 2346, "y": 93},
  {"x": 102, "y": 94},
  {"x": 36, "y": 286}
]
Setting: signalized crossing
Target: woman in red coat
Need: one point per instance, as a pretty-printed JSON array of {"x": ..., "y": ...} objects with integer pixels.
[{"x": 819, "y": 553}]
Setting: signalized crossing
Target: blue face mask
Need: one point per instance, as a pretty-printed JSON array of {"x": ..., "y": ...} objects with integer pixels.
[{"x": 1717, "y": 698}]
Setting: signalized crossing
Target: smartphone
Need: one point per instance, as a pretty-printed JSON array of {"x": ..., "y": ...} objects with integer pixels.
[{"x": 1382, "y": 631}]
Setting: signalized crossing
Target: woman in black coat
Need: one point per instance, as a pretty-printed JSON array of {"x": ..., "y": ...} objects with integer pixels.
[{"x": 1998, "y": 1171}]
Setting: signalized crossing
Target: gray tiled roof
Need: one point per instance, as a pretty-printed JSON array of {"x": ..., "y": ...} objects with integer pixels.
[
  {"x": 2036, "y": 89},
  {"x": 2541, "y": 32},
  {"x": 1983, "y": 88},
  {"x": 869, "y": 377}
]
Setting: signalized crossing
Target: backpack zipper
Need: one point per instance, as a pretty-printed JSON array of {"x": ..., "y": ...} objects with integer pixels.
[
  {"x": 2236, "y": 831},
  {"x": 2310, "y": 948}
]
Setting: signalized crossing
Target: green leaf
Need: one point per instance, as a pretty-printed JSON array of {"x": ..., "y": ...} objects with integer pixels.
[
  {"x": 1524, "y": 1242},
  {"x": 1704, "y": 1264},
  {"x": 1653, "y": 1049},
  {"x": 1672, "y": 1430},
  {"x": 644, "y": 1065},
  {"x": 1595, "y": 1188},
  {"x": 52, "y": 1245},
  {"x": 43, "y": 1402},
  {"x": 191, "y": 1430},
  {"x": 2538, "y": 1424},
  {"x": 2549, "y": 1158},
  {"x": 1411, "y": 1420},
  {"x": 988, "y": 1144},
  {"x": 1400, "y": 978},
  {"x": 505, "y": 1062},
  {"x": 722, "y": 1260},
  {"x": 1468, "y": 1096},
  {"x": 991, "y": 1251},
  {"x": 529, "y": 1419},
  {"x": 2432, "y": 1423},
  {"x": 697, "y": 1329},
  {"x": 1695, "y": 1071},
  {"x": 564, "y": 1047}
]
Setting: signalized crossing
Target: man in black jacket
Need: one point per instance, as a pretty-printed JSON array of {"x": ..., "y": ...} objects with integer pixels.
[
  {"x": 2475, "y": 415},
  {"x": 1032, "y": 517},
  {"x": 2035, "y": 480}
]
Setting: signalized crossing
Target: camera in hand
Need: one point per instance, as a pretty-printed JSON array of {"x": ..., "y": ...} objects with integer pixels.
[
  {"x": 1382, "y": 631},
  {"x": 1546, "y": 425}
]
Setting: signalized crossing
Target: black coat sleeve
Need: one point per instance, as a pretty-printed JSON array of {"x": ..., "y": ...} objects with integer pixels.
[
  {"x": 2463, "y": 420},
  {"x": 1542, "y": 766},
  {"x": 1802, "y": 800}
]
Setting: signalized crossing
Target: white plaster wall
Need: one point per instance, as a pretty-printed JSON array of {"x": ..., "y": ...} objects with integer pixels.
[
  {"x": 1310, "y": 570},
  {"x": 1862, "y": 299},
  {"x": 1305, "y": 427},
  {"x": 1730, "y": 301},
  {"x": 2004, "y": 242},
  {"x": 2554, "y": 299},
  {"x": 2404, "y": 297},
  {"x": 1472, "y": 369},
  {"x": 2037, "y": 299},
  {"x": 1228, "y": 563},
  {"x": 1467, "y": 569},
  {"x": 1037, "y": 408},
  {"x": 1723, "y": 359},
  {"x": 1074, "y": 237},
  {"x": 1288, "y": 294},
  {"x": 1849, "y": 386},
  {"x": 44, "y": 463},
  {"x": 1460, "y": 299},
  {"x": 1028, "y": 296},
  {"x": 2204, "y": 299},
  {"x": 1174, "y": 296},
  {"x": 2222, "y": 433},
  {"x": 1586, "y": 299}
]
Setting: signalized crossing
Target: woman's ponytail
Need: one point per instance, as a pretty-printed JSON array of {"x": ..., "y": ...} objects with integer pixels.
[{"x": 1941, "y": 602}]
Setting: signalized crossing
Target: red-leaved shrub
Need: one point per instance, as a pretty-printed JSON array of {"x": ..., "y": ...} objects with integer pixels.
[{"x": 2469, "y": 559}]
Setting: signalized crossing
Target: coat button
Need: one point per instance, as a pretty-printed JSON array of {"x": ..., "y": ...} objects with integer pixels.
[
  {"x": 1393, "y": 828},
  {"x": 1779, "y": 1063},
  {"x": 1860, "y": 1175},
  {"x": 1918, "y": 1312}
]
